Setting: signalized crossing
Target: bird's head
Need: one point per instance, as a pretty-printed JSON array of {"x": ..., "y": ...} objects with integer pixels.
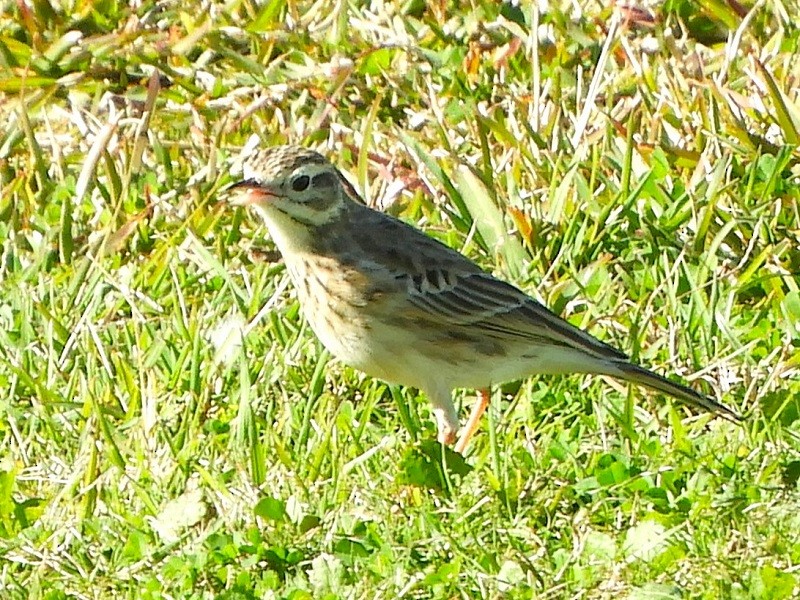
[{"x": 295, "y": 189}]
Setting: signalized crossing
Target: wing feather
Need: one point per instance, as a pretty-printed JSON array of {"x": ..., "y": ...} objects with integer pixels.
[
  {"x": 500, "y": 310},
  {"x": 447, "y": 287}
]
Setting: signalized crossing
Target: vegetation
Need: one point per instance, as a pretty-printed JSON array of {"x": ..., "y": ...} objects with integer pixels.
[{"x": 170, "y": 427}]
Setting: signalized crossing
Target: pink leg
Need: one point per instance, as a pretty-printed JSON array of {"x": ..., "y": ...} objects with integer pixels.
[{"x": 474, "y": 421}]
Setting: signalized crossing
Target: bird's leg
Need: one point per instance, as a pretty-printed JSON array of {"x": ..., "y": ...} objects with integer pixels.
[
  {"x": 474, "y": 420},
  {"x": 446, "y": 416}
]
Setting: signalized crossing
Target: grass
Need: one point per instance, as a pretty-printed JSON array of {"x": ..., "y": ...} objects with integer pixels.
[{"x": 170, "y": 426}]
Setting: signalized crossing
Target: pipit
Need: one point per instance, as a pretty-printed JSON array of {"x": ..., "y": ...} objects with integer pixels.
[{"x": 388, "y": 300}]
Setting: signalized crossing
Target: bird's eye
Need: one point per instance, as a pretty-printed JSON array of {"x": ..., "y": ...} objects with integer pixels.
[{"x": 299, "y": 184}]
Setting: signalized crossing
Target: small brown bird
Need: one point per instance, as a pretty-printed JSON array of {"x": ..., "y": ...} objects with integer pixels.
[{"x": 390, "y": 301}]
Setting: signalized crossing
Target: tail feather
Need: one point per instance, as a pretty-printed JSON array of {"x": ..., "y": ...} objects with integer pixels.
[{"x": 640, "y": 375}]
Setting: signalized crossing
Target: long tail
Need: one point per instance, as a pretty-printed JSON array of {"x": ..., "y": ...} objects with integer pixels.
[{"x": 636, "y": 374}]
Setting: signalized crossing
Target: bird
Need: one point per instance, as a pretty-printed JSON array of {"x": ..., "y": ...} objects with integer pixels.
[{"x": 389, "y": 300}]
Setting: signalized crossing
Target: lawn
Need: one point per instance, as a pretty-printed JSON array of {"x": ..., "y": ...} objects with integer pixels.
[{"x": 171, "y": 428}]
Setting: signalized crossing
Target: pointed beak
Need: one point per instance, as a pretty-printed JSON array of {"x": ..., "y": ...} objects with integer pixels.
[{"x": 249, "y": 191}]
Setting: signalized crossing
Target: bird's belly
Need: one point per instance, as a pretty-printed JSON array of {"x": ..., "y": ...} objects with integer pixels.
[
  {"x": 345, "y": 338},
  {"x": 400, "y": 355},
  {"x": 364, "y": 341},
  {"x": 396, "y": 355}
]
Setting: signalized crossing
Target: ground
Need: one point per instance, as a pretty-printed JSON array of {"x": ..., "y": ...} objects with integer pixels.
[{"x": 169, "y": 425}]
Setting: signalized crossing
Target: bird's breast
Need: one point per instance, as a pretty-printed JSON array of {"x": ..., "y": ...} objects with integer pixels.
[{"x": 336, "y": 301}]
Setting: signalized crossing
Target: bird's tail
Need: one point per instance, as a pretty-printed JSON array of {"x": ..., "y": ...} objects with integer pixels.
[{"x": 636, "y": 374}]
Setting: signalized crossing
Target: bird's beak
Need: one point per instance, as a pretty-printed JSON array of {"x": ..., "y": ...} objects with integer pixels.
[{"x": 249, "y": 191}]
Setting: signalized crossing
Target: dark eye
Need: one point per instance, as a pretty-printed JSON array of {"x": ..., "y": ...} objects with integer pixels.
[{"x": 299, "y": 184}]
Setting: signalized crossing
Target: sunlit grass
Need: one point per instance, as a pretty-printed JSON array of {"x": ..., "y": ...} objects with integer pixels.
[{"x": 170, "y": 426}]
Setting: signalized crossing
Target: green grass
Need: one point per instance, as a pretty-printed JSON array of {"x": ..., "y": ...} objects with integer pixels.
[{"x": 171, "y": 428}]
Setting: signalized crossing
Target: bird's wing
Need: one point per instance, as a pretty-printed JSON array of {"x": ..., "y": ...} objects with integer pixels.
[
  {"x": 445, "y": 286},
  {"x": 498, "y": 310}
]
